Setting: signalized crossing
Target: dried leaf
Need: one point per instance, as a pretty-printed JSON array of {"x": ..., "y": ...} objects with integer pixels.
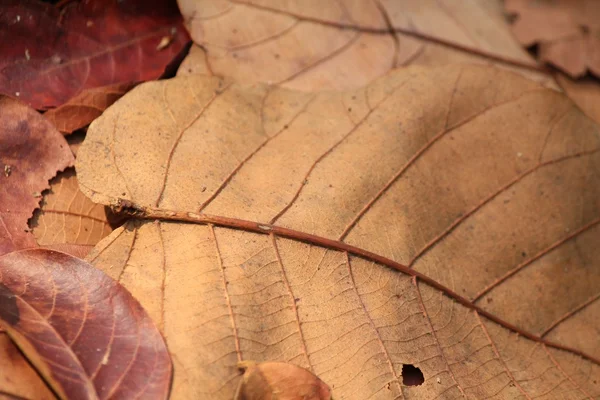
[
  {"x": 67, "y": 220},
  {"x": 567, "y": 32},
  {"x": 282, "y": 381},
  {"x": 18, "y": 380},
  {"x": 312, "y": 45},
  {"x": 85, "y": 107},
  {"x": 50, "y": 55},
  {"x": 84, "y": 333},
  {"x": 31, "y": 152},
  {"x": 584, "y": 92},
  {"x": 394, "y": 225}
]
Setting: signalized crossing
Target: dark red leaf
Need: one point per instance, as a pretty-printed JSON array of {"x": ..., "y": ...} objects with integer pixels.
[
  {"x": 50, "y": 54},
  {"x": 85, "y": 334}
]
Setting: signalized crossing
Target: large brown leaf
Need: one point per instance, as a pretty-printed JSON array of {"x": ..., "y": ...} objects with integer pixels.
[
  {"x": 31, "y": 152},
  {"x": 311, "y": 45},
  {"x": 85, "y": 334},
  {"x": 445, "y": 218},
  {"x": 50, "y": 55}
]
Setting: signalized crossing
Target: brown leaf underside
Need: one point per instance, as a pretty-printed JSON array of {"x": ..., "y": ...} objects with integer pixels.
[
  {"x": 357, "y": 166},
  {"x": 342, "y": 315}
]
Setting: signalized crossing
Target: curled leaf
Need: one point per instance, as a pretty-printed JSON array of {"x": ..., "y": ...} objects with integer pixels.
[
  {"x": 84, "y": 333},
  {"x": 281, "y": 381},
  {"x": 85, "y": 107}
]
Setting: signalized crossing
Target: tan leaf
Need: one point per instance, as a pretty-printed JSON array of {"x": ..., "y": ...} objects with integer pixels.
[
  {"x": 442, "y": 218},
  {"x": 312, "y": 45},
  {"x": 86, "y": 335},
  {"x": 67, "y": 220},
  {"x": 567, "y": 32},
  {"x": 281, "y": 381}
]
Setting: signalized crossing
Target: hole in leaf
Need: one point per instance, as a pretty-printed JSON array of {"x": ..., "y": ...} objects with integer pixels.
[{"x": 411, "y": 375}]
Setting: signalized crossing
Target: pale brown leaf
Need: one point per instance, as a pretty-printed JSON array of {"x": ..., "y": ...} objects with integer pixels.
[
  {"x": 329, "y": 44},
  {"x": 567, "y": 32},
  {"x": 444, "y": 218},
  {"x": 584, "y": 92},
  {"x": 67, "y": 220}
]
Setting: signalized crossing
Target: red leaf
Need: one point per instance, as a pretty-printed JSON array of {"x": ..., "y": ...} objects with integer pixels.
[
  {"x": 31, "y": 151},
  {"x": 50, "y": 55},
  {"x": 84, "y": 332}
]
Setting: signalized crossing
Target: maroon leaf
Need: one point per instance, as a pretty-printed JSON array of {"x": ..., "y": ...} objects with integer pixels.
[
  {"x": 84, "y": 332},
  {"x": 31, "y": 151},
  {"x": 50, "y": 55}
]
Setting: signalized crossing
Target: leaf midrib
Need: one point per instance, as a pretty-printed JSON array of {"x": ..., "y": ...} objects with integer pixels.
[{"x": 147, "y": 213}]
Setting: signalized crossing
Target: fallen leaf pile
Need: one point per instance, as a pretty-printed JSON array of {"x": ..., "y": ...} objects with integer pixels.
[{"x": 312, "y": 200}]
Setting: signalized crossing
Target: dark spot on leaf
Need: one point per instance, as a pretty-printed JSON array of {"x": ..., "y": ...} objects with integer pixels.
[
  {"x": 524, "y": 254},
  {"x": 411, "y": 375},
  {"x": 9, "y": 312}
]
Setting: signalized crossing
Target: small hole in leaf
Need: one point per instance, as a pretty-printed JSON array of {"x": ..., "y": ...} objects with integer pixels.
[{"x": 411, "y": 375}]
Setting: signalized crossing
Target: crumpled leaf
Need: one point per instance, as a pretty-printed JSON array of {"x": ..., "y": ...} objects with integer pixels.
[
  {"x": 282, "y": 381},
  {"x": 84, "y": 333},
  {"x": 50, "y": 55},
  {"x": 67, "y": 220},
  {"x": 328, "y": 44},
  {"x": 567, "y": 32},
  {"x": 31, "y": 152},
  {"x": 353, "y": 233}
]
